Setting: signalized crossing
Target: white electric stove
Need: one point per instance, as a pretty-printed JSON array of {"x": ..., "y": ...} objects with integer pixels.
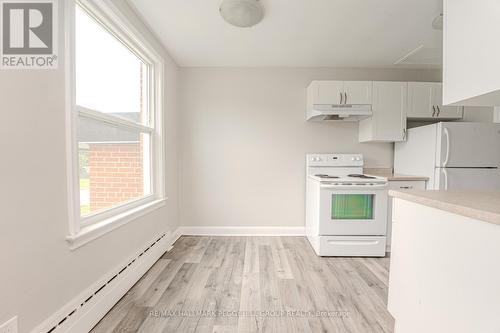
[{"x": 346, "y": 211}]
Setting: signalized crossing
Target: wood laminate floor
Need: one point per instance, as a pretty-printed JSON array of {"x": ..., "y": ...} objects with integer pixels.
[{"x": 254, "y": 284}]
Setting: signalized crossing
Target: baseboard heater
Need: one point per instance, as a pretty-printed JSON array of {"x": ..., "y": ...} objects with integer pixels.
[{"x": 87, "y": 309}]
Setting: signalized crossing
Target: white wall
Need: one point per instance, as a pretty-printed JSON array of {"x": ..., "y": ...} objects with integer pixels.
[
  {"x": 244, "y": 138},
  {"x": 38, "y": 272},
  {"x": 481, "y": 114}
]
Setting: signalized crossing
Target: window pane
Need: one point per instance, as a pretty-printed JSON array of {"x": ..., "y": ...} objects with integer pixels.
[
  {"x": 109, "y": 77},
  {"x": 114, "y": 165},
  {"x": 352, "y": 206}
]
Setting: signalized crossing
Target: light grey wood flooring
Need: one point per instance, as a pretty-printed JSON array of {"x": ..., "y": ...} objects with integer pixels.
[{"x": 254, "y": 284}]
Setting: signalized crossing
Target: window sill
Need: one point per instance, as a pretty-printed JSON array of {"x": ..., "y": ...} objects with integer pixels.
[{"x": 96, "y": 230}]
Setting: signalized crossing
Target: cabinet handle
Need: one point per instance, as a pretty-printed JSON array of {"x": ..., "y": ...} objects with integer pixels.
[
  {"x": 433, "y": 111},
  {"x": 345, "y": 94},
  {"x": 406, "y": 187},
  {"x": 341, "y": 98},
  {"x": 439, "y": 110}
]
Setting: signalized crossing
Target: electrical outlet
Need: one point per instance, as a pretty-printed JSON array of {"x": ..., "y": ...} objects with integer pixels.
[{"x": 9, "y": 326}]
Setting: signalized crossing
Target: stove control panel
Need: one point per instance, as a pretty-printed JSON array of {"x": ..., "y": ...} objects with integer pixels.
[{"x": 335, "y": 160}]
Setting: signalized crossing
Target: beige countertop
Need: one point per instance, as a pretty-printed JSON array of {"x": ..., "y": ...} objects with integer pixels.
[
  {"x": 391, "y": 176},
  {"x": 484, "y": 206}
]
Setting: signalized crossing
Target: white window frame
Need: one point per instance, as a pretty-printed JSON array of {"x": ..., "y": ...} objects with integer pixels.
[{"x": 84, "y": 229}]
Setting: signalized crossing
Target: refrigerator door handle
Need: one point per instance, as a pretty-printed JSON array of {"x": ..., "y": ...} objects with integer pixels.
[
  {"x": 447, "y": 135},
  {"x": 445, "y": 173}
]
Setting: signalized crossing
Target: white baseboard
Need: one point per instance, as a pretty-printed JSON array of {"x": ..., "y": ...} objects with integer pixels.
[
  {"x": 82, "y": 313},
  {"x": 242, "y": 231},
  {"x": 174, "y": 236}
]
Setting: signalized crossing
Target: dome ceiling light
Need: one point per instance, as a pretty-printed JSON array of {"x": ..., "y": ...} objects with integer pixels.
[
  {"x": 438, "y": 22},
  {"x": 242, "y": 13}
]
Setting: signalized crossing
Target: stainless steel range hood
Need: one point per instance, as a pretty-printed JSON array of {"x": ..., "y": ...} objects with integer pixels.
[{"x": 338, "y": 112}]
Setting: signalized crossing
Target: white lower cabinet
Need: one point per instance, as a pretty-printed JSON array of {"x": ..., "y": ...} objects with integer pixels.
[
  {"x": 444, "y": 272},
  {"x": 400, "y": 185}
]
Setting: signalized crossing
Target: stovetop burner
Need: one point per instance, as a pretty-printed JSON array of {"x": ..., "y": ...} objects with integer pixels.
[
  {"x": 361, "y": 176},
  {"x": 326, "y": 176}
]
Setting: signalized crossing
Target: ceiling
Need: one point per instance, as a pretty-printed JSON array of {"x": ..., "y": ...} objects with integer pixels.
[{"x": 299, "y": 33}]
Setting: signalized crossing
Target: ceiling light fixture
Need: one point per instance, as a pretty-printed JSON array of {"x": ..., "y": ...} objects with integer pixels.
[
  {"x": 242, "y": 13},
  {"x": 438, "y": 22}
]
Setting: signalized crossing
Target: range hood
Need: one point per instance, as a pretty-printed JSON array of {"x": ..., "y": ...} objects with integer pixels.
[{"x": 339, "y": 112}]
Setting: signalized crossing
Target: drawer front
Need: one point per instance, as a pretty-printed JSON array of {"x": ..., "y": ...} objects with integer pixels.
[
  {"x": 407, "y": 185},
  {"x": 349, "y": 246}
]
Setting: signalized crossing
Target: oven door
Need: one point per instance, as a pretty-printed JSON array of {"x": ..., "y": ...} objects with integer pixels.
[{"x": 353, "y": 210}]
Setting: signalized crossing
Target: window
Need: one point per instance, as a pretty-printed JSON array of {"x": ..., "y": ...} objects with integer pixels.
[{"x": 115, "y": 105}]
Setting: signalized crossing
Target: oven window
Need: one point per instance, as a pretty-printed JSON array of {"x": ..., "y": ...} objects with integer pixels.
[{"x": 352, "y": 206}]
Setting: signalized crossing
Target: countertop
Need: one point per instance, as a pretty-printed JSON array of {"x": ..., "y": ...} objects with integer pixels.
[
  {"x": 391, "y": 176},
  {"x": 484, "y": 206}
]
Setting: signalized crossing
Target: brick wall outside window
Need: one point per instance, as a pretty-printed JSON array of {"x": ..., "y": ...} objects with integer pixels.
[{"x": 115, "y": 173}]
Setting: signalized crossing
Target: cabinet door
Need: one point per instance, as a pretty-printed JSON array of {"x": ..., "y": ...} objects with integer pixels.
[
  {"x": 328, "y": 92},
  {"x": 358, "y": 92},
  {"x": 420, "y": 100},
  {"x": 389, "y": 110},
  {"x": 444, "y": 112},
  {"x": 400, "y": 185},
  {"x": 471, "y": 53}
]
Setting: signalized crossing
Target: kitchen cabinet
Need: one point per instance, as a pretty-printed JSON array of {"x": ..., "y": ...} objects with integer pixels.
[
  {"x": 400, "y": 185},
  {"x": 471, "y": 60},
  {"x": 341, "y": 92},
  {"x": 444, "y": 268},
  {"x": 420, "y": 100},
  {"x": 358, "y": 92},
  {"x": 327, "y": 92},
  {"x": 442, "y": 111},
  {"x": 425, "y": 102},
  {"x": 388, "y": 123}
]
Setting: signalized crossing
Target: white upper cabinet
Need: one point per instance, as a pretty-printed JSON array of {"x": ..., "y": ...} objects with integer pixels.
[
  {"x": 420, "y": 100},
  {"x": 327, "y": 92},
  {"x": 388, "y": 123},
  {"x": 341, "y": 92},
  {"x": 425, "y": 102},
  {"x": 358, "y": 92},
  {"x": 444, "y": 112},
  {"x": 471, "y": 59}
]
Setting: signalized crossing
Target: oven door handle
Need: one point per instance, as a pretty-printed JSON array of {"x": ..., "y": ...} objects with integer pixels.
[{"x": 355, "y": 187}]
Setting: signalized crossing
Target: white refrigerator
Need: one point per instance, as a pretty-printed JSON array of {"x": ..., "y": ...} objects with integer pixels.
[{"x": 454, "y": 155}]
